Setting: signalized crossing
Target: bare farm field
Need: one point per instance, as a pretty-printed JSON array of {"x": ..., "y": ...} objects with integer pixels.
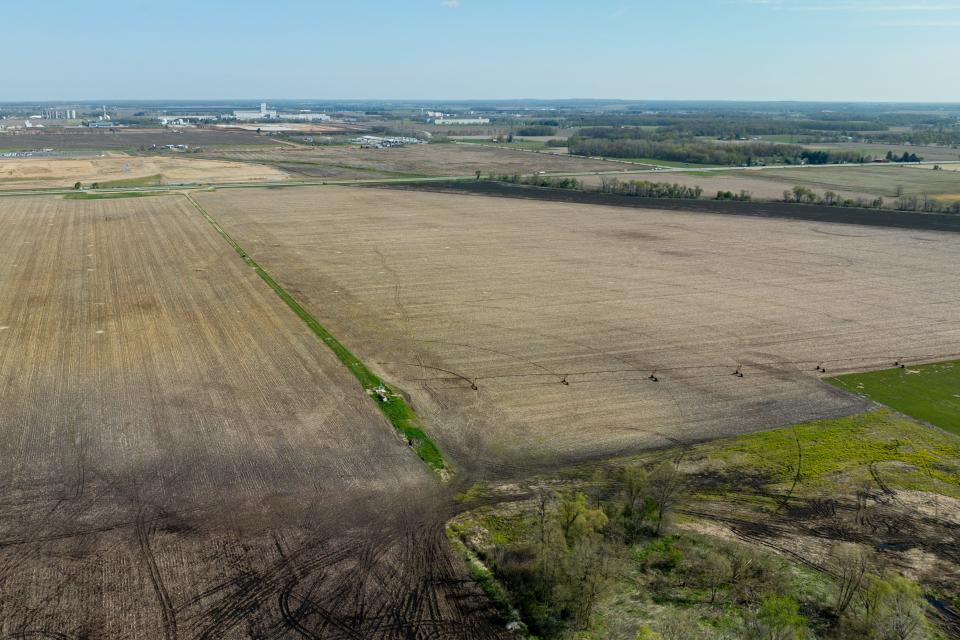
[
  {"x": 929, "y": 153},
  {"x": 182, "y": 458},
  {"x": 33, "y": 173},
  {"x": 84, "y": 139},
  {"x": 876, "y": 180},
  {"x": 558, "y": 314},
  {"x": 760, "y": 187},
  {"x": 848, "y": 181},
  {"x": 415, "y": 160}
]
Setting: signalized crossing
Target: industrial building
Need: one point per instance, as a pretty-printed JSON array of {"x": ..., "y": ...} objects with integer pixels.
[
  {"x": 378, "y": 142},
  {"x": 183, "y": 121},
  {"x": 308, "y": 116},
  {"x": 262, "y": 114}
]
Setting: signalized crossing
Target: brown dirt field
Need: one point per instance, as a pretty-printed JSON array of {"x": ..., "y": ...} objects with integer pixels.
[
  {"x": 516, "y": 295},
  {"x": 78, "y": 139},
  {"x": 879, "y": 149},
  {"x": 866, "y": 182},
  {"x": 878, "y": 180},
  {"x": 184, "y": 459},
  {"x": 421, "y": 159},
  {"x": 762, "y": 189},
  {"x": 46, "y": 172}
]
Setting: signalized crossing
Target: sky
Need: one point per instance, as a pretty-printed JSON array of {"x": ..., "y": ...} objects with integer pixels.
[{"x": 829, "y": 50}]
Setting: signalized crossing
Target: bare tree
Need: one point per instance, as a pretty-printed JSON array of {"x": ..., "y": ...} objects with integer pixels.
[
  {"x": 851, "y": 566},
  {"x": 668, "y": 488}
]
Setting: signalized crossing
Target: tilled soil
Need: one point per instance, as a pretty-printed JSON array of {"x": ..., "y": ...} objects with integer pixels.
[
  {"x": 559, "y": 313},
  {"x": 182, "y": 458}
]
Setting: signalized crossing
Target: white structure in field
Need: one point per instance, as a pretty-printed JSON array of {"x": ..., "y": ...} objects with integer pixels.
[
  {"x": 263, "y": 114},
  {"x": 461, "y": 121},
  {"x": 308, "y": 116},
  {"x": 184, "y": 121}
]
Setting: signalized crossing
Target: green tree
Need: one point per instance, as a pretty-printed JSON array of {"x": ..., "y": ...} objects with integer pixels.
[
  {"x": 777, "y": 618},
  {"x": 891, "y": 608},
  {"x": 576, "y": 519}
]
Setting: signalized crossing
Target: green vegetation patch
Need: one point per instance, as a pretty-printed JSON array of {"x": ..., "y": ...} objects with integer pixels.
[
  {"x": 667, "y": 163},
  {"x": 401, "y": 416},
  {"x": 481, "y": 574},
  {"x": 143, "y": 181},
  {"x": 86, "y": 195},
  {"x": 585, "y": 556},
  {"x": 842, "y": 450},
  {"x": 928, "y": 392}
]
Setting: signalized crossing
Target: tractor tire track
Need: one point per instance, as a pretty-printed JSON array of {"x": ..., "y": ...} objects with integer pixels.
[{"x": 167, "y": 611}]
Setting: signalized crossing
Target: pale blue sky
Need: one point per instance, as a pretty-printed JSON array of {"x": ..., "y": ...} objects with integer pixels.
[{"x": 883, "y": 50}]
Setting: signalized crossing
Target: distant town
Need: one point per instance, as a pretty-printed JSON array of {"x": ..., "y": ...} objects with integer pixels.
[{"x": 104, "y": 117}]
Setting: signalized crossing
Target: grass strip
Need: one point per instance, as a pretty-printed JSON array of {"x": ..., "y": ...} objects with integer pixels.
[
  {"x": 143, "y": 181},
  {"x": 484, "y": 578},
  {"x": 401, "y": 416},
  {"x": 86, "y": 195},
  {"x": 929, "y": 392}
]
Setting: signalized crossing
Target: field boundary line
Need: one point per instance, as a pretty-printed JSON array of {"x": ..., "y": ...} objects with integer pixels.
[{"x": 397, "y": 411}]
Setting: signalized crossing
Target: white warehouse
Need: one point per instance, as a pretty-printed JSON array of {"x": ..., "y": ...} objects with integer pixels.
[{"x": 263, "y": 114}]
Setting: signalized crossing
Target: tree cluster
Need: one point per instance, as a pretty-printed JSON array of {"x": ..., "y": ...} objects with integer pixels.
[
  {"x": 536, "y": 130},
  {"x": 904, "y": 202},
  {"x": 536, "y": 180},
  {"x": 578, "y": 544},
  {"x": 645, "y": 189},
  {"x": 687, "y": 150},
  {"x": 558, "y": 576}
]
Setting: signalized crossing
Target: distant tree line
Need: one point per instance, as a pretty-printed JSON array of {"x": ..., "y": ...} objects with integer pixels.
[
  {"x": 635, "y": 188},
  {"x": 798, "y": 194},
  {"x": 536, "y": 130},
  {"x": 906, "y": 157},
  {"x": 923, "y": 203},
  {"x": 688, "y": 150},
  {"x": 645, "y": 189},
  {"x": 536, "y": 180},
  {"x": 615, "y": 142}
]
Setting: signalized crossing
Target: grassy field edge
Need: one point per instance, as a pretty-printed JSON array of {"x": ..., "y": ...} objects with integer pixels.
[
  {"x": 397, "y": 411},
  {"x": 927, "y": 392}
]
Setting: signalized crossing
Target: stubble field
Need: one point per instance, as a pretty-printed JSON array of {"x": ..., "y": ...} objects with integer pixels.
[
  {"x": 34, "y": 173},
  {"x": 558, "y": 313},
  {"x": 848, "y": 181},
  {"x": 760, "y": 187},
  {"x": 877, "y": 180},
  {"x": 182, "y": 458},
  {"x": 929, "y": 153},
  {"x": 414, "y": 160}
]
